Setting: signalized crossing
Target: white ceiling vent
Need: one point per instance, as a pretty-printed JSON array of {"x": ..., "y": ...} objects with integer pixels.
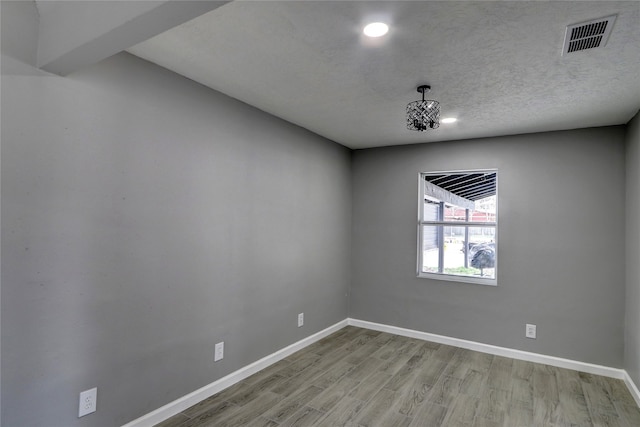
[{"x": 588, "y": 35}]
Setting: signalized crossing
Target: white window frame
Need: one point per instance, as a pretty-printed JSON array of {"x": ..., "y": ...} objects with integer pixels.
[{"x": 421, "y": 222}]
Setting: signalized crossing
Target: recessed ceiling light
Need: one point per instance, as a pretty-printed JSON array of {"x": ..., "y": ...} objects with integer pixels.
[
  {"x": 376, "y": 29},
  {"x": 449, "y": 120}
]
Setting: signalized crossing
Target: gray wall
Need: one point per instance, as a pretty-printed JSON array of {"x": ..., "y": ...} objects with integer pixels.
[
  {"x": 632, "y": 321},
  {"x": 144, "y": 219},
  {"x": 561, "y": 243}
]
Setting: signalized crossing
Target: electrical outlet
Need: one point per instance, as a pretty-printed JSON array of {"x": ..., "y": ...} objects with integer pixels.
[
  {"x": 88, "y": 400},
  {"x": 300, "y": 319},
  {"x": 531, "y": 331},
  {"x": 219, "y": 352}
]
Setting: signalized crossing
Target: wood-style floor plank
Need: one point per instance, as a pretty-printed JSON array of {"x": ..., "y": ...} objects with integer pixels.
[
  {"x": 369, "y": 386},
  {"x": 493, "y": 405},
  {"x": 357, "y": 377},
  {"x": 429, "y": 414},
  {"x": 343, "y": 414},
  {"x": 500, "y": 373},
  {"x": 520, "y": 414},
  {"x": 174, "y": 421},
  {"x": 331, "y": 396},
  {"x": 306, "y": 416},
  {"x": 463, "y": 411},
  {"x": 473, "y": 383},
  {"x": 414, "y": 393},
  {"x": 377, "y": 407},
  {"x": 289, "y": 406}
]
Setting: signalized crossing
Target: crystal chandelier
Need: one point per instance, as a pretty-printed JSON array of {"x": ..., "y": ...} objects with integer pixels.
[{"x": 425, "y": 114}]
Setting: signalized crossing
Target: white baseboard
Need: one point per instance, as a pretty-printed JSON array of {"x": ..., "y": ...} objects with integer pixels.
[
  {"x": 633, "y": 389},
  {"x": 191, "y": 399},
  {"x": 179, "y": 405},
  {"x": 495, "y": 350}
]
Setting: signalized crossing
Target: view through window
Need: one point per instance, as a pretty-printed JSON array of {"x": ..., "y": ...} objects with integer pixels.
[{"x": 457, "y": 227}]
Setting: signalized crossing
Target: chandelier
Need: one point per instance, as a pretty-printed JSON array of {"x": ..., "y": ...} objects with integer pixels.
[{"x": 425, "y": 114}]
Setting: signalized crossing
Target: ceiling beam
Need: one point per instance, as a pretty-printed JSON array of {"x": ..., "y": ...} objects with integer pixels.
[
  {"x": 74, "y": 34},
  {"x": 432, "y": 190}
]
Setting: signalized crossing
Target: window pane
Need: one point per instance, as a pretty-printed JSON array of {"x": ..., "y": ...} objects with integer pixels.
[
  {"x": 431, "y": 235},
  {"x": 477, "y": 258},
  {"x": 484, "y": 211},
  {"x": 487, "y": 206},
  {"x": 454, "y": 213},
  {"x": 431, "y": 211},
  {"x": 478, "y": 255},
  {"x": 430, "y": 260}
]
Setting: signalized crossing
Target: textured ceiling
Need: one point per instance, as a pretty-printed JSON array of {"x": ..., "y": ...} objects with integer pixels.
[{"x": 496, "y": 66}]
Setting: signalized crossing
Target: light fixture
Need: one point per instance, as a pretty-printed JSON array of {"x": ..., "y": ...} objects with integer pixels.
[
  {"x": 376, "y": 29},
  {"x": 425, "y": 114},
  {"x": 449, "y": 120}
]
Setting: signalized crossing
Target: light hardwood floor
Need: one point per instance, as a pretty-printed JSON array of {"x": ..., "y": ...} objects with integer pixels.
[{"x": 358, "y": 377}]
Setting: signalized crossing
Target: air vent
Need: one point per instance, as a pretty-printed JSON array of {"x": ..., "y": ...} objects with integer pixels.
[{"x": 588, "y": 35}]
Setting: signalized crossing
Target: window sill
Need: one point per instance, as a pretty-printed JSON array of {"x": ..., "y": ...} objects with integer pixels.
[{"x": 460, "y": 279}]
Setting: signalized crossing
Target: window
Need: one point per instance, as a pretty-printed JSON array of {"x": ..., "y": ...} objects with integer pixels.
[{"x": 457, "y": 226}]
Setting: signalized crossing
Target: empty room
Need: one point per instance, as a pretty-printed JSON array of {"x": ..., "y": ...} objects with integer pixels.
[{"x": 320, "y": 213}]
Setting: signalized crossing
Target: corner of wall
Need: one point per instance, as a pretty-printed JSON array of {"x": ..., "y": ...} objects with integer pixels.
[
  {"x": 19, "y": 25},
  {"x": 632, "y": 251}
]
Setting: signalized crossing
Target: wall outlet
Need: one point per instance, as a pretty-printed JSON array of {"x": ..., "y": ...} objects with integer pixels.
[
  {"x": 88, "y": 400},
  {"x": 531, "y": 331},
  {"x": 219, "y": 352},
  {"x": 300, "y": 319}
]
